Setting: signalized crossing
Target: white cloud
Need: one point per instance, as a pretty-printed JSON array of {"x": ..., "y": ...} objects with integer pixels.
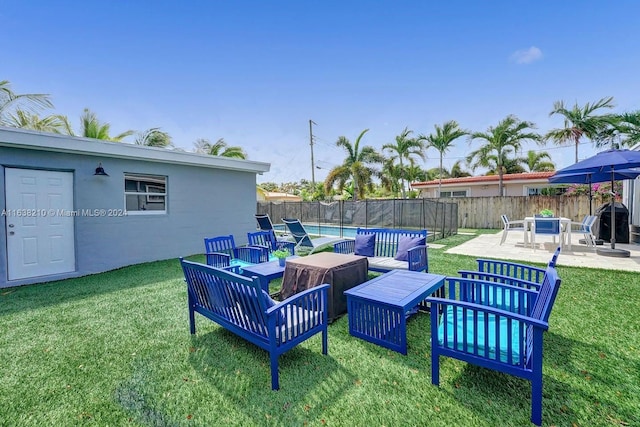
[{"x": 526, "y": 56}]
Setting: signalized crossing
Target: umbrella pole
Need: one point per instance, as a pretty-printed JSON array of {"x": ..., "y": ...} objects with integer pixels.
[{"x": 613, "y": 213}]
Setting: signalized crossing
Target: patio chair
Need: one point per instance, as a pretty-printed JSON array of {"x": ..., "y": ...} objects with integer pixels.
[
  {"x": 548, "y": 227},
  {"x": 267, "y": 239},
  {"x": 517, "y": 225},
  {"x": 303, "y": 239},
  {"x": 222, "y": 252},
  {"x": 586, "y": 228}
]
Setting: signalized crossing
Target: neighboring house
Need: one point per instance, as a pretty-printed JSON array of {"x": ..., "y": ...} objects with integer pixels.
[
  {"x": 272, "y": 196},
  {"x": 62, "y": 218},
  {"x": 517, "y": 184}
]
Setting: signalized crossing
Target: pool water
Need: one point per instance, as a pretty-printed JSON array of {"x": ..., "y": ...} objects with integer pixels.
[{"x": 323, "y": 230}]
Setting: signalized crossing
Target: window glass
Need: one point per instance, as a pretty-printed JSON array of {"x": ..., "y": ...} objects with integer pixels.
[{"x": 145, "y": 193}]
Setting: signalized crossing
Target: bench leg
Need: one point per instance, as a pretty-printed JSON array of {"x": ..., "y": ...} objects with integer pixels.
[
  {"x": 275, "y": 383},
  {"x": 192, "y": 321},
  {"x": 325, "y": 340},
  {"x": 536, "y": 401},
  {"x": 435, "y": 368}
]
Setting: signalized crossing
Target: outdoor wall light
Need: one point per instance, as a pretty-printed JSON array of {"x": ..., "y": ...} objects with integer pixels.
[{"x": 100, "y": 170}]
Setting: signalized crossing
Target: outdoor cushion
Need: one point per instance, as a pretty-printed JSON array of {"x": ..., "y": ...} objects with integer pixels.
[
  {"x": 387, "y": 263},
  {"x": 404, "y": 244},
  {"x": 365, "y": 244},
  {"x": 477, "y": 331}
]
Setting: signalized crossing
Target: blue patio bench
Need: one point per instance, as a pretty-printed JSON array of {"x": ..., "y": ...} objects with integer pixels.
[
  {"x": 389, "y": 248},
  {"x": 468, "y": 325},
  {"x": 239, "y": 304}
]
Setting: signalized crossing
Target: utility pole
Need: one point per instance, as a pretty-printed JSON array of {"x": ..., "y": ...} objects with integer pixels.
[{"x": 313, "y": 165}]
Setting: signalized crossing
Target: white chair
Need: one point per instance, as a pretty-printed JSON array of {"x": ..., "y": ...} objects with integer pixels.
[
  {"x": 517, "y": 225},
  {"x": 586, "y": 228}
]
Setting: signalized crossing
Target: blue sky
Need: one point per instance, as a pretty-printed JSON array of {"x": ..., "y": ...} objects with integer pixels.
[{"x": 255, "y": 72}]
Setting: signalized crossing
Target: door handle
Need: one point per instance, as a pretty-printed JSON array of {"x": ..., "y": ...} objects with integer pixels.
[
  {"x": 11, "y": 226},
  {"x": 11, "y": 233}
]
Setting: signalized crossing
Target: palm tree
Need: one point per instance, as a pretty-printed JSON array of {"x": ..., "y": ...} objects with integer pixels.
[
  {"x": 154, "y": 137},
  {"x": 405, "y": 148},
  {"x": 390, "y": 176},
  {"x": 457, "y": 171},
  {"x": 91, "y": 127},
  {"x": 357, "y": 167},
  {"x": 539, "y": 162},
  {"x": 508, "y": 134},
  {"x": 509, "y": 164},
  {"x": 26, "y": 120},
  {"x": 220, "y": 148},
  {"x": 442, "y": 141},
  {"x": 579, "y": 122},
  {"x": 624, "y": 130},
  {"x": 11, "y": 103}
]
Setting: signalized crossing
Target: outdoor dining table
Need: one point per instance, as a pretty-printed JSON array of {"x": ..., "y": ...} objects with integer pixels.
[{"x": 565, "y": 225}]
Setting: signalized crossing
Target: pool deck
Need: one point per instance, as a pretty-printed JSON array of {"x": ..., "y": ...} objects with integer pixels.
[{"x": 488, "y": 246}]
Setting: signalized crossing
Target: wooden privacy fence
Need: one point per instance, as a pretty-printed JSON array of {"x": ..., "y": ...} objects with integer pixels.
[{"x": 484, "y": 212}]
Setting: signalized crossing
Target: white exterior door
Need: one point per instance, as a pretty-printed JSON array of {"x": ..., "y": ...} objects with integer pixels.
[{"x": 40, "y": 237}]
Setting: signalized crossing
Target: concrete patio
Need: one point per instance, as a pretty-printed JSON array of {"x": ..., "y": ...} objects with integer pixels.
[{"x": 488, "y": 246}]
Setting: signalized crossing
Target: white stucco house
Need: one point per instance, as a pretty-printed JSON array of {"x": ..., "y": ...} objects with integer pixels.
[{"x": 517, "y": 184}]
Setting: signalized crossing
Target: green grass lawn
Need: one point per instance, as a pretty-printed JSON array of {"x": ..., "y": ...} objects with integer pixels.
[{"x": 114, "y": 349}]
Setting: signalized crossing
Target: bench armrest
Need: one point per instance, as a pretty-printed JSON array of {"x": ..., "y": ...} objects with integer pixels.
[
  {"x": 479, "y": 308},
  {"x": 218, "y": 259},
  {"x": 418, "y": 258},
  {"x": 345, "y": 247}
]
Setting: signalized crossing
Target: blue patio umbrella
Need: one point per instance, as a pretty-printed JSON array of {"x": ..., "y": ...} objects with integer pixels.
[
  {"x": 591, "y": 177},
  {"x": 606, "y": 162}
]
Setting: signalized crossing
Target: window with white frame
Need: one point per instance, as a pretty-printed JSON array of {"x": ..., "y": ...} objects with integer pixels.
[
  {"x": 145, "y": 194},
  {"x": 459, "y": 193}
]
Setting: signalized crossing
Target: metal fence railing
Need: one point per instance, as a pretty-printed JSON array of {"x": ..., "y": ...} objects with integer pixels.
[{"x": 439, "y": 218}]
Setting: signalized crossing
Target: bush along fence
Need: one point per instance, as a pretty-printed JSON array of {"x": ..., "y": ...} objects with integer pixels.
[{"x": 439, "y": 217}]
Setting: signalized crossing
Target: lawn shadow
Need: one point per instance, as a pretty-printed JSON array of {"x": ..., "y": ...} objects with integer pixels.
[{"x": 241, "y": 372}]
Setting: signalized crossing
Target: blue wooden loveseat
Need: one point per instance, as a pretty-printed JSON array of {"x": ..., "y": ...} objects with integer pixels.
[
  {"x": 239, "y": 304},
  {"x": 495, "y": 325},
  {"x": 389, "y": 248}
]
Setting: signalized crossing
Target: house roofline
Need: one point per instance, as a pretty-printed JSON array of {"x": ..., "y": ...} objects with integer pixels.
[
  {"x": 43, "y": 141},
  {"x": 515, "y": 178}
]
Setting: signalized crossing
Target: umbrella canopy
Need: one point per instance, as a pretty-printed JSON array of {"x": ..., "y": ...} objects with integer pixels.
[
  {"x": 591, "y": 177},
  {"x": 605, "y": 161},
  {"x": 602, "y": 164}
]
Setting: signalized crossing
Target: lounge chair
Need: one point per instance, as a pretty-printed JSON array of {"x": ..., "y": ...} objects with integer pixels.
[
  {"x": 302, "y": 238},
  {"x": 264, "y": 222}
]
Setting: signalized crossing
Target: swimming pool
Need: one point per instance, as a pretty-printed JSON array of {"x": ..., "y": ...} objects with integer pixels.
[{"x": 323, "y": 230}]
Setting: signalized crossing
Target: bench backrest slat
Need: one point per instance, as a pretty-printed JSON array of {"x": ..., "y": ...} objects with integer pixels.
[
  {"x": 234, "y": 298},
  {"x": 387, "y": 239}
]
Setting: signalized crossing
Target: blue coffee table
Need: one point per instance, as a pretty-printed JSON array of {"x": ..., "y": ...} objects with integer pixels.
[
  {"x": 377, "y": 308},
  {"x": 266, "y": 271}
]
